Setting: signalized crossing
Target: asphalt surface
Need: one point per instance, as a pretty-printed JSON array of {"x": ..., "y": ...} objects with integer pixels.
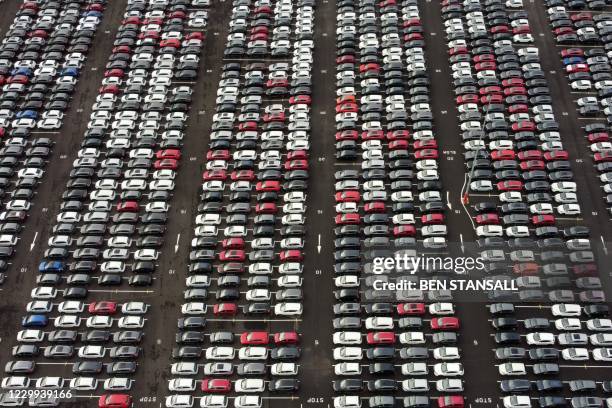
[{"x": 166, "y": 294}]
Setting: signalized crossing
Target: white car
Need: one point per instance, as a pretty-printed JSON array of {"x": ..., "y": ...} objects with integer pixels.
[
  {"x": 179, "y": 401},
  {"x": 348, "y": 353},
  {"x": 566, "y": 310},
  {"x": 513, "y": 369},
  {"x": 288, "y": 309}
]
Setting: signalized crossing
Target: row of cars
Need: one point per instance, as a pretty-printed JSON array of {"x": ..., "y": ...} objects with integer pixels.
[
  {"x": 112, "y": 215},
  {"x": 389, "y": 350},
  {"x": 589, "y": 73},
  {"x": 534, "y": 350},
  {"x": 41, "y": 57},
  {"x": 247, "y": 247}
]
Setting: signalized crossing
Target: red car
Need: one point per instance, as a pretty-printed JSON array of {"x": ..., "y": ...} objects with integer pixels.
[
  {"x": 513, "y": 82},
  {"x": 467, "y": 98},
  {"x": 426, "y": 154},
  {"x": 404, "y": 231},
  {"x": 171, "y": 164},
  {"x": 297, "y": 155},
  {"x": 171, "y": 42},
  {"x": 232, "y": 243},
  {"x": 168, "y": 154},
  {"x": 347, "y": 135},
  {"x": 598, "y": 137},
  {"x": 412, "y": 22},
  {"x": 375, "y": 207},
  {"x": 451, "y": 401},
  {"x": 286, "y": 338},
  {"x": 348, "y": 196},
  {"x": 484, "y": 66},
  {"x": 369, "y": 67},
  {"x": 127, "y": 206},
  {"x": 527, "y": 268},
  {"x": 499, "y": 29},
  {"x": 296, "y": 165},
  {"x": 398, "y": 144},
  {"x": 523, "y": 29},
  {"x": 530, "y": 155},
  {"x": 274, "y": 117},
  {"x": 214, "y": 175},
  {"x": 484, "y": 57},
  {"x": 434, "y": 218},
  {"x": 305, "y": 99},
  {"x": 254, "y": 337},
  {"x": 492, "y": 98},
  {"x": 346, "y": 99},
  {"x": 245, "y": 126},
  {"x": 196, "y": 35},
  {"x": 515, "y": 90},
  {"x": 115, "y": 401},
  {"x": 585, "y": 270},
  {"x": 487, "y": 219},
  {"x": 532, "y": 165},
  {"x": 216, "y": 385},
  {"x": 564, "y": 30},
  {"x": 291, "y": 255},
  {"x": 545, "y": 219},
  {"x": 232, "y": 255},
  {"x": 505, "y": 154},
  {"x": 345, "y": 59},
  {"x": 347, "y": 107},
  {"x": 277, "y": 82},
  {"x": 604, "y": 156},
  {"x": 102, "y": 308},
  {"x": 510, "y": 185},
  {"x": 445, "y": 323},
  {"x": 111, "y": 89},
  {"x": 380, "y": 338},
  {"x": 570, "y": 69},
  {"x": 488, "y": 90},
  {"x": 116, "y": 72},
  {"x": 221, "y": 154},
  {"x": 248, "y": 175},
  {"x": 572, "y": 52},
  {"x": 518, "y": 108},
  {"x": 225, "y": 309},
  {"x": 372, "y": 135},
  {"x": 268, "y": 185},
  {"x": 411, "y": 309},
  {"x": 556, "y": 155},
  {"x": 523, "y": 126},
  {"x": 266, "y": 208},
  {"x": 346, "y": 219}
]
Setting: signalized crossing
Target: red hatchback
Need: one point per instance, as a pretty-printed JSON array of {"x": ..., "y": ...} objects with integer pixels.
[
  {"x": 451, "y": 401},
  {"x": 115, "y": 401},
  {"x": 411, "y": 309},
  {"x": 426, "y": 154},
  {"x": 380, "y": 338},
  {"x": 541, "y": 220},
  {"x": 166, "y": 164},
  {"x": 232, "y": 243},
  {"x": 214, "y": 175},
  {"x": 168, "y": 154},
  {"x": 102, "y": 308},
  {"x": 375, "y": 207},
  {"x": 254, "y": 337},
  {"x": 267, "y": 185},
  {"x": 347, "y": 219},
  {"x": 266, "y": 208},
  {"x": 556, "y": 155},
  {"x": 232, "y": 255},
  {"x": 348, "y": 196},
  {"x": 286, "y": 338},
  {"x": 127, "y": 206},
  {"x": 225, "y": 309},
  {"x": 404, "y": 231},
  {"x": 216, "y": 385},
  {"x": 445, "y": 323},
  {"x": 510, "y": 185},
  {"x": 434, "y": 218},
  {"x": 291, "y": 255},
  {"x": 487, "y": 219}
]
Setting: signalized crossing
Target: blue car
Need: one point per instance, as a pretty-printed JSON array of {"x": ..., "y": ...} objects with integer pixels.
[
  {"x": 22, "y": 71},
  {"x": 91, "y": 13},
  {"x": 50, "y": 266},
  {"x": 573, "y": 60},
  {"x": 35, "y": 320},
  {"x": 27, "y": 114},
  {"x": 73, "y": 72}
]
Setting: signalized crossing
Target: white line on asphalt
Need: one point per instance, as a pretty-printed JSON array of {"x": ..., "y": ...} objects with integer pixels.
[{"x": 33, "y": 244}]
